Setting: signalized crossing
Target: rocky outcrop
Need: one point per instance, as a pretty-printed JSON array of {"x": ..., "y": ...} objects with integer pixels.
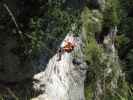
[
  {"x": 63, "y": 79},
  {"x": 111, "y": 72}
]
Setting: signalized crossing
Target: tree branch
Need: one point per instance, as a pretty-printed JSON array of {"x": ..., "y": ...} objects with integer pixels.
[{"x": 15, "y": 22}]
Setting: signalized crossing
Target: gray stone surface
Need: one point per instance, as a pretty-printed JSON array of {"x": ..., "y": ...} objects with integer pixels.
[{"x": 63, "y": 80}]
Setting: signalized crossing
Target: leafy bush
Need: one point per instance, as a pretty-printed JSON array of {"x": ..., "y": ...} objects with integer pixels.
[{"x": 49, "y": 29}]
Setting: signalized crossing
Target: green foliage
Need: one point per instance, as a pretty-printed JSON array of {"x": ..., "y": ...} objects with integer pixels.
[
  {"x": 56, "y": 3},
  {"x": 102, "y": 65},
  {"x": 126, "y": 26},
  {"x": 49, "y": 29},
  {"x": 88, "y": 93},
  {"x": 128, "y": 66},
  {"x": 92, "y": 21},
  {"x": 121, "y": 41},
  {"x": 36, "y": 35},
  {"x": 125, "y": 42},
  {"x": 111, "y": 13},
  {"x": 130, "y": 58},
  {"x": 93, "y": 53}
]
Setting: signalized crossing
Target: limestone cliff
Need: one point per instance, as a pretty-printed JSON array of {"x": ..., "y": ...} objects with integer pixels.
[{"x": 64, "y": 79}]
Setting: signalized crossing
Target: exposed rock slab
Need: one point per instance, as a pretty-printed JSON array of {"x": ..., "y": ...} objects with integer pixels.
[{"x": 64, "y": 79}]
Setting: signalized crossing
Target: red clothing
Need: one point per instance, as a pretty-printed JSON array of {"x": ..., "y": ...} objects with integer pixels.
[{"x": 68, "y": 47}]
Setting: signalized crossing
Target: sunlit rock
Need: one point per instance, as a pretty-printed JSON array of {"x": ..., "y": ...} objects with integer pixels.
[{"x": 63, "y": 79}]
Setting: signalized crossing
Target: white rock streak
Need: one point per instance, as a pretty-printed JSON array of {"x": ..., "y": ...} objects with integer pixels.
[{"x": 63, "y": 80}]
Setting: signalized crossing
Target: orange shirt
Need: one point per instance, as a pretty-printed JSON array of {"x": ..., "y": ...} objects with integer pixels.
[{"x": 68, "y": 47}]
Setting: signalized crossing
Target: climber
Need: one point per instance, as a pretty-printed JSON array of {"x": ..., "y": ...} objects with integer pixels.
[{"x": 68, "y": 46}]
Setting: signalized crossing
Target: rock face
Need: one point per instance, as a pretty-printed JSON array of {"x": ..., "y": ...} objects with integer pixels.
[
  {"x": 63, "y": 79},
  {"x": 112, "y": 71}
]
